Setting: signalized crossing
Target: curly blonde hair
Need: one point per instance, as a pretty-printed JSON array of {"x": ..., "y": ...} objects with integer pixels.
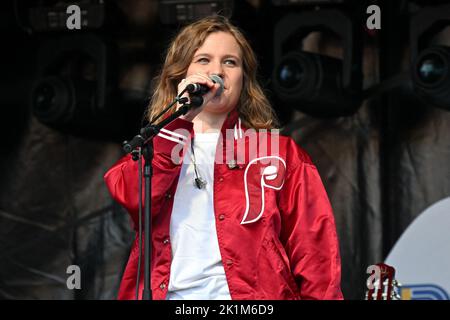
[{"x": 253, "y": 107}]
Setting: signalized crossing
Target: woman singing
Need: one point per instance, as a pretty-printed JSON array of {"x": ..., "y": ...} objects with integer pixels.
[{"x": 238, "y": 211}]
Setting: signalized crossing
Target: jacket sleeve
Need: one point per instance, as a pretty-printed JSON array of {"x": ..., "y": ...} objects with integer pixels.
[
  {"x": 122, "y": 178},
  {"x": 309, "y": 232}
]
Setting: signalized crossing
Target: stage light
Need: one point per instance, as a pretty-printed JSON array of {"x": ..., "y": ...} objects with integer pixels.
[
  {"x": 306, "y": 2},
  {"x": 314, "y": 83},
  {"x": 184, "y": 11},
  {"x": 430, "y": 61},
  {"x": 76, "y": 87},
  {"x": 432, "y": 65},
  {"x": 315, "y": 79},
  {"x": 71, "y": 87},
  {"x": 50, "y": 15}
]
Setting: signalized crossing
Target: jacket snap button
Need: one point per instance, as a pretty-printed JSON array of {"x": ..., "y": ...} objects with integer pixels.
[
  {"x": 166, "y": 241},
  {"x": 221, "y": 217},
  {"x": 232, "y": 164},
  {"x": 220, "y": 179},
  {"x": 162, "y": 286}
]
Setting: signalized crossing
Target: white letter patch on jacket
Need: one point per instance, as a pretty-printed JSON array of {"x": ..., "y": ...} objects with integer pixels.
[{"x": 261, "y": 173}]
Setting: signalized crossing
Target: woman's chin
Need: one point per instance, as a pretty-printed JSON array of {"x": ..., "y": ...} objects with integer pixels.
[
  {"x": 216, "y": 105},
  {"x": 216, "y": 100}
]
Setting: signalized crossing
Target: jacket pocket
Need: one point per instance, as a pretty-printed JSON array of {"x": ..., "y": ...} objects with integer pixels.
[{"x": 275, "y": 274}]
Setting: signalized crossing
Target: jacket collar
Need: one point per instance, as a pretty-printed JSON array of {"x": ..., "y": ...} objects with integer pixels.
[
  {"x": 232, "y": 132},
  {"x": 233, "y": 121}
]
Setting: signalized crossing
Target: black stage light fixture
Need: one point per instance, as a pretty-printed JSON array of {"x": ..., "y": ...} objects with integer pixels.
[
  {"x": 76, "y": 86},
  {"x": 71, "y": 81},
  {"x": 50, "y": 15},
  {"x": 185, "y": 11},
  {"x": 77, "y": 90},
  {"x": 306, "y": 2},
  {"x": 317, "y": 84},
  {"x": 430, "y": 62}
]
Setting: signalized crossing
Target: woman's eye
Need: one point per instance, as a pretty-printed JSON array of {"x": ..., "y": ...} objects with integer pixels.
[
  {"x": 203, "y": 60},
  {"x": 230, "y": 62}
]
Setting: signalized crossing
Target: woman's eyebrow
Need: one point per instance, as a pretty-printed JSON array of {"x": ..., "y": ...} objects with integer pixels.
[
  {"x": 209, "y": 56},
  {"x": 231, "y": 56}
]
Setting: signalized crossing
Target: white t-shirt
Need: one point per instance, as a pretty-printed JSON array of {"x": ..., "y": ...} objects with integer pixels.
[{"x": 197, "y": 271}]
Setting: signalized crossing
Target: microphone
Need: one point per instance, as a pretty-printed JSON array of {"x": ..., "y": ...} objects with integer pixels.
[{"x": 201, "y": 89}]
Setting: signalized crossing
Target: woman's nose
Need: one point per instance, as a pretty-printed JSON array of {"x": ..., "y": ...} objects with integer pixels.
[{"x": 216, "y": 69}]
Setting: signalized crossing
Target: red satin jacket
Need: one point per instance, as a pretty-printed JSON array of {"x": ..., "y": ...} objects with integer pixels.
[{"x": 275, "y": 226}]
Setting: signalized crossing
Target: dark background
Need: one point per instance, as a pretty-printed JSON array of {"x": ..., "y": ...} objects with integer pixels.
[{"x": 382, "y": 165}]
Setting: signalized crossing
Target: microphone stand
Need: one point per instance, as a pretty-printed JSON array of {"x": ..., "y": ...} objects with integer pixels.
[{"x": 144, "y": 142}]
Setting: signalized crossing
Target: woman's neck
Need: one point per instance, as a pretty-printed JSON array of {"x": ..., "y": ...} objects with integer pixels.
[{"x": 208, "y": 122}]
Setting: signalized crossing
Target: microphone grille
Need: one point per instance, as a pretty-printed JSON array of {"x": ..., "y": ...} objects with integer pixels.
[{"x": 217, "y": 79}]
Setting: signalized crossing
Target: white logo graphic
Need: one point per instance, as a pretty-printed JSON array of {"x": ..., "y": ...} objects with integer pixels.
[{"x": 269, "y": 173}]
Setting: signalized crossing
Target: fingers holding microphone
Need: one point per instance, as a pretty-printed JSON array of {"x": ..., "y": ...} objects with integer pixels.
[
  {"x": 192, "y": 112},
  {"x": 201, "y": 88}
]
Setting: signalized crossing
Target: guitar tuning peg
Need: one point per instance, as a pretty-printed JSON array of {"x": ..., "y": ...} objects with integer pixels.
[{"x": 396, "y": 284}]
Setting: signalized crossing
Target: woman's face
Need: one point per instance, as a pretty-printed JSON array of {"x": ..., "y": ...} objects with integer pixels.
[{"x": 220, "y": 54}]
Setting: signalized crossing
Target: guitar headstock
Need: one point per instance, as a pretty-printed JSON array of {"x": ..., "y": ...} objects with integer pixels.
[{"x": 381, "y": 283}]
